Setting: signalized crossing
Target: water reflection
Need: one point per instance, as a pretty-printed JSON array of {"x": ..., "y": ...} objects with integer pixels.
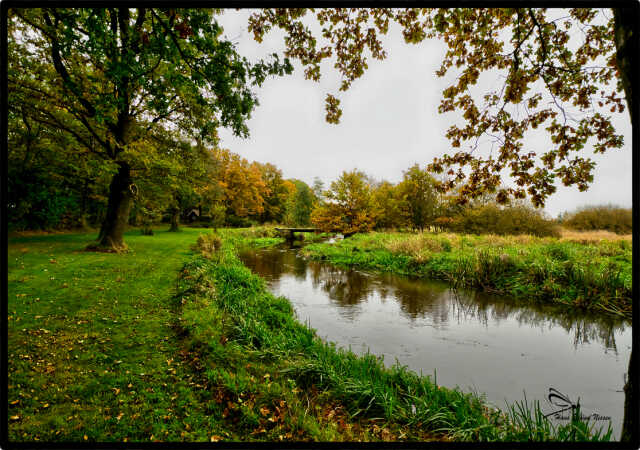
[
  {"x": 421, "y": 299},
  {"x": 495, "y": 345}
]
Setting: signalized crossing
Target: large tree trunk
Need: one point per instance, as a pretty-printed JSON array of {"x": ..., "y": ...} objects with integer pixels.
[
  {"x": 630, "y": 406},
  {"x": 118, "y": 208},
  {"x": 626, "y": 20},
  {"x": 175, "y": 220}
]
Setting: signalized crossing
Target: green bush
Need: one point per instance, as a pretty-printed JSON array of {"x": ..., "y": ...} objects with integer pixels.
[
  {"x": 496, "y": 219},
  {"x": 606, "y": 217}
]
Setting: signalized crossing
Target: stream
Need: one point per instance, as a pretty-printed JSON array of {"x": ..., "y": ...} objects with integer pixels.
[{"x": 492, "y": 345}]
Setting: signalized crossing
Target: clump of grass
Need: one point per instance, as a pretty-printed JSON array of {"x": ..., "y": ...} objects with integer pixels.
[
  {"x": 209, "y": 244},
  {"x": 419, "y": 244}
]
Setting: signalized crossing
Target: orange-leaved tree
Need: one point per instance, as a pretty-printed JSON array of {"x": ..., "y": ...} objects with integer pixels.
[{"x": 348, "y": 208}]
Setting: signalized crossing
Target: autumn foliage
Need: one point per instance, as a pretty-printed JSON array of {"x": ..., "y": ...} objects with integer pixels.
[
  {"x": 570, "y": 86},
  {"x": 349, "y": 208}
]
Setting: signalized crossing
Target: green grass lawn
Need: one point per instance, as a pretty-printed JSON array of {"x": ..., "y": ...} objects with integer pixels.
[{"x": 92, "y": 352}]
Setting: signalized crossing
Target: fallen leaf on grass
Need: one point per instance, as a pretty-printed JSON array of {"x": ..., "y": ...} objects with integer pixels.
[{"x": 215, "y": 438}]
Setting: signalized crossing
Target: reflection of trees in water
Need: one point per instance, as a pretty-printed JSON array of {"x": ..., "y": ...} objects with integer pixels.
[
  {"x": 419, "y": 298},
  {"x": 273, "y": 263},
  {"x": 585, "y": 327},
  {"x": 299, "y": 268},
  {"x": 344, "y": 287},
  {"x": 268, "y": 265}
]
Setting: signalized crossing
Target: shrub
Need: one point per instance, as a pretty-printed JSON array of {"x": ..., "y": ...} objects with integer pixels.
[
  {"x": 495, "y": 219},
  {"x": 208, "y": 244},
  {"x": 606, "y": 217}
]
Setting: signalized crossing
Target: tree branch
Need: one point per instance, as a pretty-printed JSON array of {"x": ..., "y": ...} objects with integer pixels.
[
  {"x": 62, "y": 71},
  {"x": 543, "y": 45},
  {"x": 175, "y": 41}
]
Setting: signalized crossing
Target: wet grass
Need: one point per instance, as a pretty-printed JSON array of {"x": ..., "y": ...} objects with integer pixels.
[
  {"x": 163, "y": 344},
  {"x": 593, "y": 275}
]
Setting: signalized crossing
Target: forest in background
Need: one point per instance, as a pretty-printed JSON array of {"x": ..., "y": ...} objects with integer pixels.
[{"x": 49, "y": 193}]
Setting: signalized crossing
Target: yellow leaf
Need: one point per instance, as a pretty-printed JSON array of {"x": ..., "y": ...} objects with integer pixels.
[{"x": 215, "y": 438}]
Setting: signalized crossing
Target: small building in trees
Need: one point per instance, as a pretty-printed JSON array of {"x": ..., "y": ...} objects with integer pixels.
[{"x": 193, "y": 215}]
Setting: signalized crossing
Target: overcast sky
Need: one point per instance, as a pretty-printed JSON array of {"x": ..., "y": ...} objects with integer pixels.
[{"x": 390, "y": 120}]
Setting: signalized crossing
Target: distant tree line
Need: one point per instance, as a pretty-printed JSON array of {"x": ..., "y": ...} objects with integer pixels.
[
  {"x": 221, "y": 188},
  {"x": 356, "y": 203}
]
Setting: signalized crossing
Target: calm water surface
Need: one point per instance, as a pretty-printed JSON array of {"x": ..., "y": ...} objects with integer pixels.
[{"x": 479, "y": 342}]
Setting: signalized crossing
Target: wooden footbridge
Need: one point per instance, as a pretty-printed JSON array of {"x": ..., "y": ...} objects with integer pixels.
[{"x": 289, "y": 231}]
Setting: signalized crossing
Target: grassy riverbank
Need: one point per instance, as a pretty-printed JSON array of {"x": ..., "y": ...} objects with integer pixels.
[
  {"x": 163, "y": 344},
  {"x": 578, "y": 273},
  {"x": 328, "y": 393}
]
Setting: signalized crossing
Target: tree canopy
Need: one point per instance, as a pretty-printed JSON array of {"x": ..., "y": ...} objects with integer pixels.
[
  {"x": 561, "y": 70},
  {"x": 348, "y": 208},
  {"x": 109, "y": 76}
]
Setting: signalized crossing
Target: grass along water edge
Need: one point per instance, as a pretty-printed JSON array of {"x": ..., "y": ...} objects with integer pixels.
[
  {"x": 595, "y": 275},
  {"x": 262, "y": 328}
]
